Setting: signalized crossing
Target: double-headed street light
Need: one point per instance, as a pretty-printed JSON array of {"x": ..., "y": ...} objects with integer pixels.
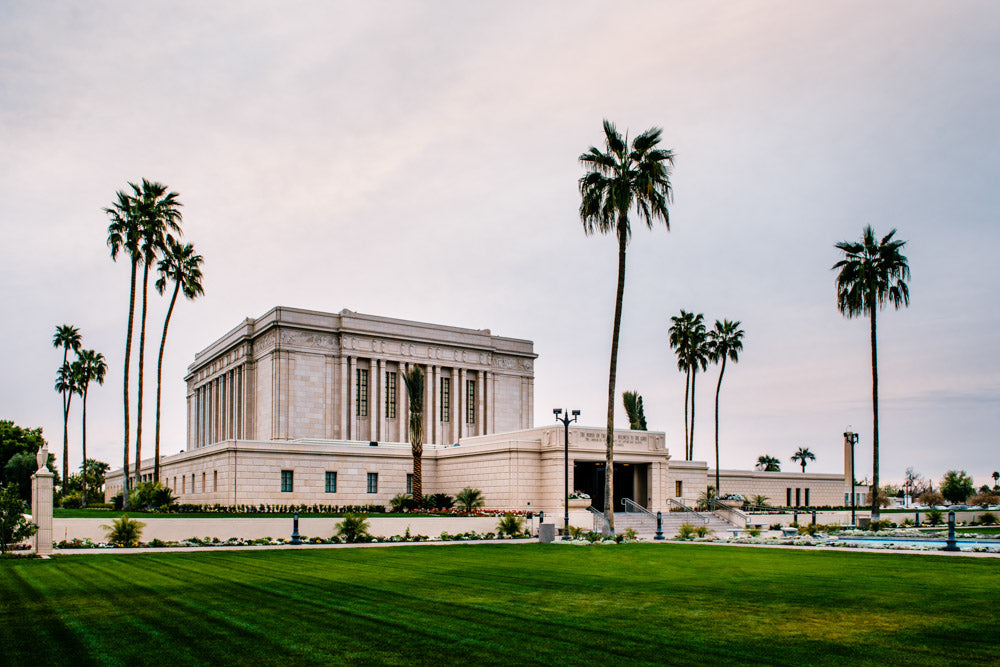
[
  {"x": 566, "y": 421},
  {"x": 851, "y": 438}
]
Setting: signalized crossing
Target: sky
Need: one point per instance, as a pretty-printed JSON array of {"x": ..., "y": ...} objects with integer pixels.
[{"x": 419, "y": 160}]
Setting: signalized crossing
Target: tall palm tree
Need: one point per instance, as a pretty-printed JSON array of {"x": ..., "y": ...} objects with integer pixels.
[
  {"x": 91, "y": 366},
  {"x": 66, "y": 385},
  {"x": 634, "y": 410},
  {"x": 678, "y": 337},
  {"x": 618, "y": 179},
  {"x": 726, "y": 341},
  {"x": 68, "y": 338},
  {"x": 124, "y": 237},
  {"x": 996, "y": 478},
  {"x": 181, "y": 265},
  {"x": 803, "y": 455},
  {"x": 159, "y": 216},
  {"x": 768, "y": 463},
  {"x": 414, "y": 380},
  {"x": 872, "y": 274},
  {"x": 699, "y": 353}
]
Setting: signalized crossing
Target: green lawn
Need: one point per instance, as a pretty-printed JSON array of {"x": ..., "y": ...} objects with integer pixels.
[{"x": 514, "y": 604}]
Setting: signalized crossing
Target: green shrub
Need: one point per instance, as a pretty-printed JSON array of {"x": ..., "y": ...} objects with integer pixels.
[
  {"x": 353, "y": 528},
  {"x": 701, "y": 531},
  {"x": 469, "y": 499},
  {"x": 13, "y": 526},
  {"x": 687, "y": 531},
  {"x": 754, "y": 532},
  {"x": 774, "y": 526},
  {"x": 808, "y": 530},
  {"x": 400, "y": 501},
  {"x": 875, "y": 526},
  {"x": 987, "y": 518},
  {"x": 934, "y": 517},
  {"x": 150, "y": 496},
  {"x": 577, "y": 533},
  {"x": 72, "y": 501},
  {"x": 510, "y": 524},
  {"x": 124, "y": 532},
  {"x": 439, "y": 501}
]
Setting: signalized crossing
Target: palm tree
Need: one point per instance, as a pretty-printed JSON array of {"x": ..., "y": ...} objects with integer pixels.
[
  {"x": 678, "y": 336},
  {"x": 803, "y": 455},
  {"x": 414, "y": 380},
  {"x": 768, "y": 463},
  {"x": 68, "y": 338},
  {"x": 181, "y": 265},
  {"x": 996, "y": 478},
  {"x": 158, "y": 218},
  {"x": 91, "y": 366},
  {"x": 726, "y": 342},
  {"x": 123, "y": 236},
  {"x": 698, "y": 354},
  {"x": 66, "y": 385},
  {"x": 469, "y": 499},
  {"x": 633, "y": 408},
  {"x": 872, "y": 274},
  {"x": 618, "y": 179}
]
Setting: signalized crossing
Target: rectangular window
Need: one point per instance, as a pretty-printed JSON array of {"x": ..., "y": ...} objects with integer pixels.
[
  {"x": 361, "y": 402},
  {"x": 445, "y": 398},
  {"x": 390, "y": 395},
  {"x": 807, "y": 497},
  {"x": 409, "y": 483},
  {"x": 193, "y": 489},
  {"x": 678, "y": 488},
  {"x": 331, "y": 482},
  {"x": 788, "y": 497},
  {"x": 373, "y": 482},
  {"x": 204, "y": 489},
  {"x": 215, "y": 481},
  {"x": 184, "y": 484},
  {"x": 470, "y": 401},
  {"x": 847, "y": 499},
  {"x": 287, "y": 481},
  {"x": 798, "y": 497}
]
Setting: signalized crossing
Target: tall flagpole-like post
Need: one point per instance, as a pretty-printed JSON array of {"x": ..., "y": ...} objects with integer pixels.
[
  {"x": 566, "y": 421},
  {"x": 851, "y": 438}
]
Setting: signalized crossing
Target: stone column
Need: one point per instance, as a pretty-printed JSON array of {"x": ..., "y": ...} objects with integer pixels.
[
  {"x": 352, "y": 411},
  {"x": 481, "y": 403},
  {"x": 41, "y": 502},
  {"x": 460, "y": 406},
  {"x": 375, "y": 393},
  {"x": 428, "y": 404},
  {"x": 403, "y": 411},
  {"x": 344, "y": 382},
  {"x": 436, "y": 404}
]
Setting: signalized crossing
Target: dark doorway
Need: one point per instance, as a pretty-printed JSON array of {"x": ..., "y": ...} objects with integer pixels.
[{"x": 588, "y": 477}]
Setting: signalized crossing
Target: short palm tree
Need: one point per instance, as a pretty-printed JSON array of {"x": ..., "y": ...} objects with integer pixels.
[
  {"x": 68, "y": 338},
  {"x": 619, "y": 178},
  {"x": 159, "y": 217},
  {"x": 872, "y": 274},
  {"x": 469, "y": 499},
  {"x": 124, "y": 237},
  {"x": 413, "y": 378},
  {"x": 726, "y": 342},
  {"x": 803, "y": 455},
  {"x": 768, "y": 463},
  {"x": 634, "y": 410},
  {"x": 90, "y": 367},
  {"x": 181, "y": 265}
]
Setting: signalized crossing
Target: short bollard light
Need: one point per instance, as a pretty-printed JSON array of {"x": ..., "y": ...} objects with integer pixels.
[
  {"x": 917, "y": 520},
  {"x": 951, "y": 545},
  {"x": 659, "y": 526},
  {"x": 295, "y": 528},
  {"x": 796, "y": 519},
  {"x": 814, "y": 518}
]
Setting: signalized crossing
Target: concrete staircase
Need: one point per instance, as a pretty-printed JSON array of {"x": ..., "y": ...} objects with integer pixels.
[{"x": 645, "y": 525}]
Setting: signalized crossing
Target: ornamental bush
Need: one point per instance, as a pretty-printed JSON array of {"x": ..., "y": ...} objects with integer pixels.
[
  {"x": 124, "y": 532},
  {"x": 353, "y": 528},
  {"x": 510, "y": 524},
  {"x": 13, "y": 526}
]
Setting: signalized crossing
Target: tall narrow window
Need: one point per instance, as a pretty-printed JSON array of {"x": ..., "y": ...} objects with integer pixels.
[
  {"x": 373, "y": 482},
  {"x": 798, "y": 497},
  {"x": 409, "y": 483},
  {"x": 287, "y": 481},
  {"x": 445, "y": 399},
  {"x": 204, "y": 489},
  {"x": 361, "y": 406},
  {"x": 331, "y": 482},
  {"x": 788, "y": 497},
  {"x": 807, "y": 497},
  {"x": 215, "y": 480},
  {"x": 390, "y": 395},
  {"x": 678, "y": 488},
  {"x": 470, "y": 401}
]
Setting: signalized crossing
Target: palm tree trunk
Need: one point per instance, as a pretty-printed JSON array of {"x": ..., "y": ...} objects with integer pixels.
[
  {"x": 609, "y": 473},
  {"x": 159, "y": 378},
  {"x": 418, "y": 477},
  {"x": 694, "y": 376},
  {"x": 687, "y": 440},
  {"x": 875, "y": 508},
  {"x": 65, "y": 456},
  {"x": 128, "y": 357},
  {"x": 718, "y": 388},
  {"x": 83, "y": 500},
  {"x": 142, "y": 355}
]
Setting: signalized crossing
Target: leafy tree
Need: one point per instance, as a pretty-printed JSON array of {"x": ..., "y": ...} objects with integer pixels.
[
  {"x": 803, "y": 455},
  {"x": 124, "y": 532},
  {"x": 20, "y": 468},
  {"x": 984, "y": 499},
  {"x": 931, "y": 498},
  {"x": 633, "y": 408},
  {"x": 181, "y": 265},
  {"x": 957, "y": 486},
  {"x": 469, "y": 499},
  {"x": 66, "y": 337},
  {"x": 353, "y": 528},
  {"x": 618, "y": 179},
  {"x": 15, "y": 440},
  {"x": 768, "y": 463},
  {"x": 13, "y": 526},
  {"x": 872, "y": 274},
  {"x": 725, "y": 342},
  {"x": 413, "y": 378},
  {"x": 159, "y": 216},
  {"x": 90, "y": 367}
]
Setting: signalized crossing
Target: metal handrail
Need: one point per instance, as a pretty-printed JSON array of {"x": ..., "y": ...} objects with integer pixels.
[
  {"x": 741, "y": 518},
  {"x": 598, "y": 516},
  {"x": 628, "y": 503},
  {"x": 685, "y": 508}
]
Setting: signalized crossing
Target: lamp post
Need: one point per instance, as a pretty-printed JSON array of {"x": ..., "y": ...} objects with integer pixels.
[
  {"x": 852, "y": 438},
  {"x": 566, "y": 421}
]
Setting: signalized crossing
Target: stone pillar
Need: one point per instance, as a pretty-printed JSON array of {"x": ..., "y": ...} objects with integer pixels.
[
  {"x": 429, "y": 376},
  {"x": 344, "y": 382},
  {"x": 41, "y": 502},
  {"x": 375, "y": 393},
  {"x": 481, "y": 404},
  {"x": 403, "y": 412},
  {"x": 352, "y": 411},
  {"x": 460, "y": 406},
  {"x": 436, "y": 403}
]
